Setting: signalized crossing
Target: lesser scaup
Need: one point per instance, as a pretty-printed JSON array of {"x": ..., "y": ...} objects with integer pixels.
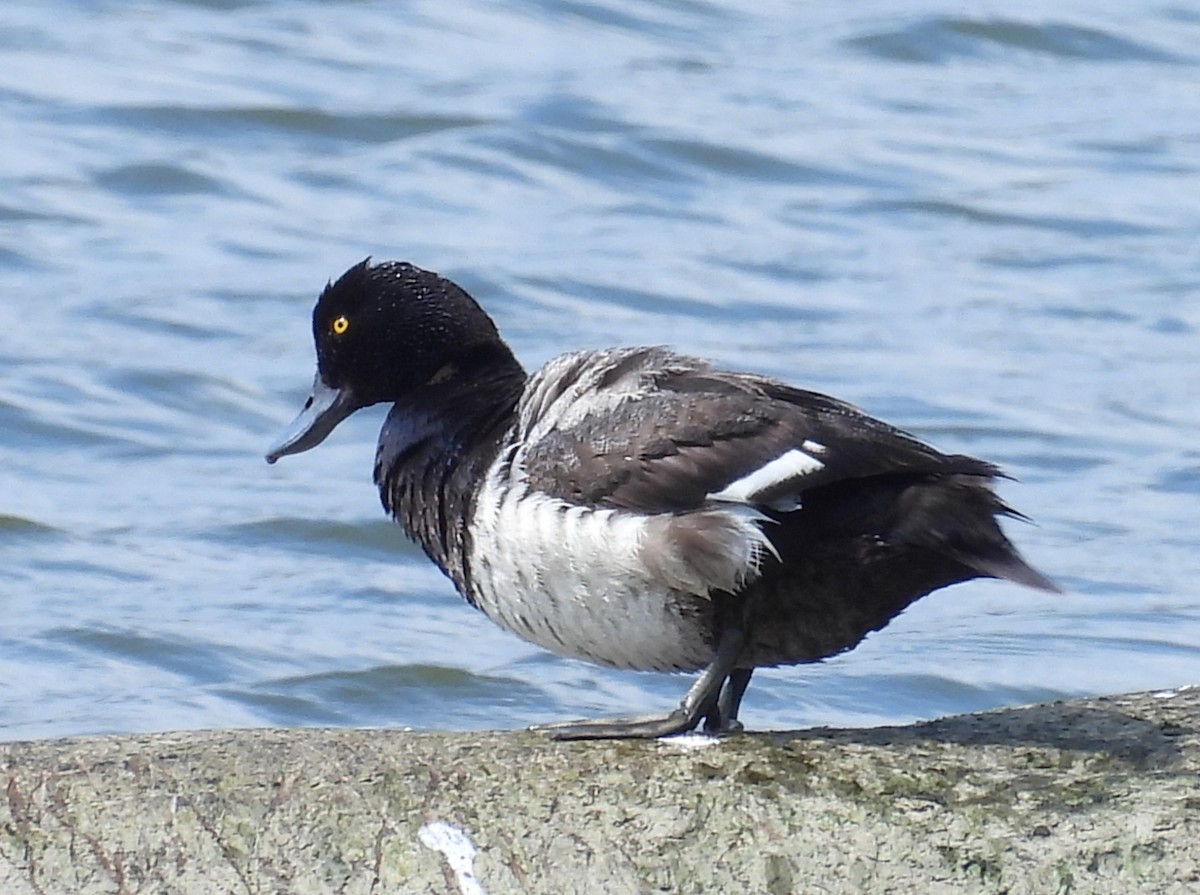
[{"x": 639, "y": 508}]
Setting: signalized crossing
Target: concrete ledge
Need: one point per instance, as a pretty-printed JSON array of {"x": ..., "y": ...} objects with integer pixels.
[{"x": 1096, "y": 795}]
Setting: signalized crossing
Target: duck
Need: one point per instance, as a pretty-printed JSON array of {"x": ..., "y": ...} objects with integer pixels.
[{"x": 642, "y": 509}]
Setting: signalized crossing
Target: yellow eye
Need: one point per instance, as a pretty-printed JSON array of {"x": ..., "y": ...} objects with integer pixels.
[{"x": 340, "y": 325}]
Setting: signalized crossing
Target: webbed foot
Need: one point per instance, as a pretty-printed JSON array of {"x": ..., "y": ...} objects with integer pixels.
[
  {"x": 622, "y": 727},
  {"x": 714, "y": 698}
]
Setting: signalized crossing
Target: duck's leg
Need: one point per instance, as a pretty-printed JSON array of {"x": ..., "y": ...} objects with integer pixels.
[
  {"x": 724, "y": 719},
  {"x": 703, "y": 700}
]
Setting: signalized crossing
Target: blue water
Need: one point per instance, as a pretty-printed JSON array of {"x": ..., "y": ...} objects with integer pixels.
[{"x": 981, "y": 225}]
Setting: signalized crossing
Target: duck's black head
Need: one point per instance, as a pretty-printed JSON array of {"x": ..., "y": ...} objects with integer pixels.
[{"x": 383, "y": 331}]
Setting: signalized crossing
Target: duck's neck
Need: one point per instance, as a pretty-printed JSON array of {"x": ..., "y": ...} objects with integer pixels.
[{"x": 436, "y": 445}]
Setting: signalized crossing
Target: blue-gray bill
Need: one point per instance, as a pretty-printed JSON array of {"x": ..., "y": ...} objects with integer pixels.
[{"x": 325, "y": 408}]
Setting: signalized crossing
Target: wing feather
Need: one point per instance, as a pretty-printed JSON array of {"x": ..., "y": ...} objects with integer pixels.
[{"x": 649, "y": 430}]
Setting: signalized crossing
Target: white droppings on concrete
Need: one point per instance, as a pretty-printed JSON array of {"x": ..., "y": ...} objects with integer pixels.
[
  {"x": 690, "y": 742},
  {"x": 458, "y": 850}
]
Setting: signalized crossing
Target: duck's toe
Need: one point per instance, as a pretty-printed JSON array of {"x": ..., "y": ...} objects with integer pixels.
[{"x": 644, "y": 727}]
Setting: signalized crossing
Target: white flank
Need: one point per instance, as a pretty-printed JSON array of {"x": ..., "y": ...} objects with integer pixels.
[
  {"x": 459, "y": 851},
  {"x": 572, "y": 579},
  {"x": 793, "y": 464},
  {"x": 605, "y": 585}
]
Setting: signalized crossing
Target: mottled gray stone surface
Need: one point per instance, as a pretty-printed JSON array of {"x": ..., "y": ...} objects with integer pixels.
[{"x": 1097, "y": 795}]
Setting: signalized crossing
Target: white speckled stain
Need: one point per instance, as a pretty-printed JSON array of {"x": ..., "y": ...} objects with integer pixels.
[
  {"x": 689, "y": 742},
  {"x": 458, "y": 850}
]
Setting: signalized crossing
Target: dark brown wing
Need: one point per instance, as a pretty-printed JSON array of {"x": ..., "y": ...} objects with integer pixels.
[{"x": 683, "y": 433}]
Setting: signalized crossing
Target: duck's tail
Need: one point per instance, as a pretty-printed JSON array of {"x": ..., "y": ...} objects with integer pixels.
[{"x": 957, "y": 516}]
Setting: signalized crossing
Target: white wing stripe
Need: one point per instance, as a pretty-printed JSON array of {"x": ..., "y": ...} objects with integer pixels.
[{"x": 793, "y": 464}]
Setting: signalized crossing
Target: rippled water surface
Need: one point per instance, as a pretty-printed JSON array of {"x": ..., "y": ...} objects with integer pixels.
[{"x": 983, "y": 226}]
